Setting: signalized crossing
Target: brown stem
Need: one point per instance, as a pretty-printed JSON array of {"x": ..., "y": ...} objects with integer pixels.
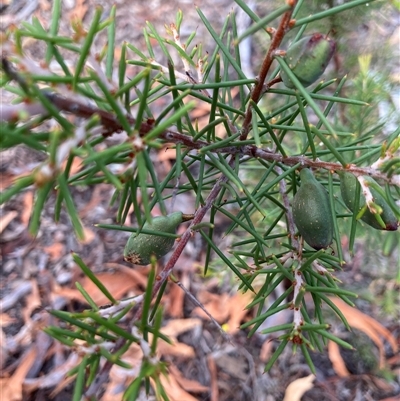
[
  {"x": 112, "y": 125},
  {"x": 266, "y": 65},
  {"x": 288, "y": 210},
  {"x": 136, "y": 314}
]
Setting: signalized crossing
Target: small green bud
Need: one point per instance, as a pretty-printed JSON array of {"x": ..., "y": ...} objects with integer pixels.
[
  {"x": 348, "y": 186},
  {"x": 312, "y": 212},
  {"x": 308, "y": 59},
  {"x": 141, "y": 247}
]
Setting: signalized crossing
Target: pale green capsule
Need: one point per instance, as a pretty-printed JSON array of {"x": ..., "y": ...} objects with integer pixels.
[
  {"x": 312, "y": 212},
  {"x": 141, "y": 247},
  {"x": 308, "y": 59},
  {"x": 348, "y": 185}
]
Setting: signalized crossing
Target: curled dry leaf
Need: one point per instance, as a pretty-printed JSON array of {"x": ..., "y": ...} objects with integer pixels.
[
  {"x": 174, "y": 391},
  {"x": 188, "y": 385},
  {"x": 373, "y": 329},
  {"x": 177, "y": 349},
  {"x": 336, "y": 359},
  {"x": 237, "y": 309},
  {"x": 296, "y": 389},
  {"x": 27, "y": 210},
  {"x": 215, "y": 304},
  {"x": 178, "y": 326},
  {"x": 6, "y": 320},
  {"x": 12, "y": 388},
  {"x": 57, "y": 376},
  {"x": 7, "y": 219},
  {"x": 117, "y": 284}
]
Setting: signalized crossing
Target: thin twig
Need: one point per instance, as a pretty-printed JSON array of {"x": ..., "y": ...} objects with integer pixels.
[
  {"x": 136, "y": 312},
  {"x": 195, "y": 301},
  {"x": 266, "y": 65},
  {"x": 288, "y": 210}
]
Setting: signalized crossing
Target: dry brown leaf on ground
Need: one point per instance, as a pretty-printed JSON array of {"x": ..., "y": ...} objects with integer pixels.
[
  {"x": 189, "y": 385},
  {"x": 137, "y": 275},
  {"x": 6, "y": 219},
  {"x": 266, "y": 350},
  {"x": 88, "y": 236},
  {"x": 55, "y": 251},
  {"x": 201, "y": 109},
  {"x": 56, "y": 377},
  {"x": 94, "y": 201},
  {"x": 174, "y": 391},
  {"x": 237, "y": 310},
  {"x": 296, "y": 389},
  {"x": 12, "y": 387},
  {"x": 69, "y": 293},
  {"x": 6, "y": 320},
  {"x": 372, "y": 328},
  {"x": 215, "y": 304},
  {"x": 382, "y": 384},
  {"x": 27, "y": 209},
  {"x": 117, "y": 284},
  {"x": 79, "y": 11},
  {"x": 7, "y": 180},
  {"x": 44, "y": 5},
  {"x": 336, "y": 359},
  {"x": 32, "y": 301},
  {"x": 120, "y": 377},
  {"x": 76, "y": 165},
  {"x": 166, "y": 153},
  {"x": 175, "y": 327},
  {"x": 176, "y": 349},
  {"x": 212, "y": 367},
  {"x": 174, "y": 301}
]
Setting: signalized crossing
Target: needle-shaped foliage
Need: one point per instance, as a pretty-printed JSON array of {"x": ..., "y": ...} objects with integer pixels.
[{"x": 242, "y": 163}]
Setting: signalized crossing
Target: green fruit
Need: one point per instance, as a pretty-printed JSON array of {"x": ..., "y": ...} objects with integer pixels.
[
  {"x": 312, "y": 212},
  {"x": 141, "y": 247},
  {"x": 308, "y": 59},
  {"x": 348, "y": 185}
]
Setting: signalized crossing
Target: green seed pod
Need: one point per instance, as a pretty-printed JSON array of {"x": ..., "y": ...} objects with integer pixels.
[
  {"x": 141, "y": 247},
  {"x": 312, "y": 212},
  {"x": 348, "y": 185},
  {"x": 308, "y": 58}
]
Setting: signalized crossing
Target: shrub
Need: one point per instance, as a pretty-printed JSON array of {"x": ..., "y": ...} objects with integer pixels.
[{"x": 249, "y": 173}]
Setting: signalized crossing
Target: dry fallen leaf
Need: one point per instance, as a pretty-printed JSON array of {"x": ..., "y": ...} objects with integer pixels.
[
  {"x": 188, "y": 385},
  {"x": 6, "y": 320},
  {"x": 137, "y": 275},
  {"x": 369, "y": 326},
  {"x": 215, "y": 305},
  {"x": 174, "y": 301},
  {"x": 56, "y": 376},
  {"x": 117, "y": 284},
  {"x": 120, "y": 377},
  {"x": 79, "y": 11},
  {"x": 27, "y": 209},
  {"x": 55, "y": 251},
  {"x": 176, "y": 327},
  {"x": 296, "y": 389},
  {"x": 266, "y": 350},
  {"x": 176, "y": 349},
  {"x": 12, "y": 388},
  {"x": 336, "y": 359},
  {"x": 174, "y": 391},
  {"x": 32, "y": 302},
  {"x": 7, "y": 219},
  {"x": 89, "y": 236},
  {"x": 237, "y": 309}
]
